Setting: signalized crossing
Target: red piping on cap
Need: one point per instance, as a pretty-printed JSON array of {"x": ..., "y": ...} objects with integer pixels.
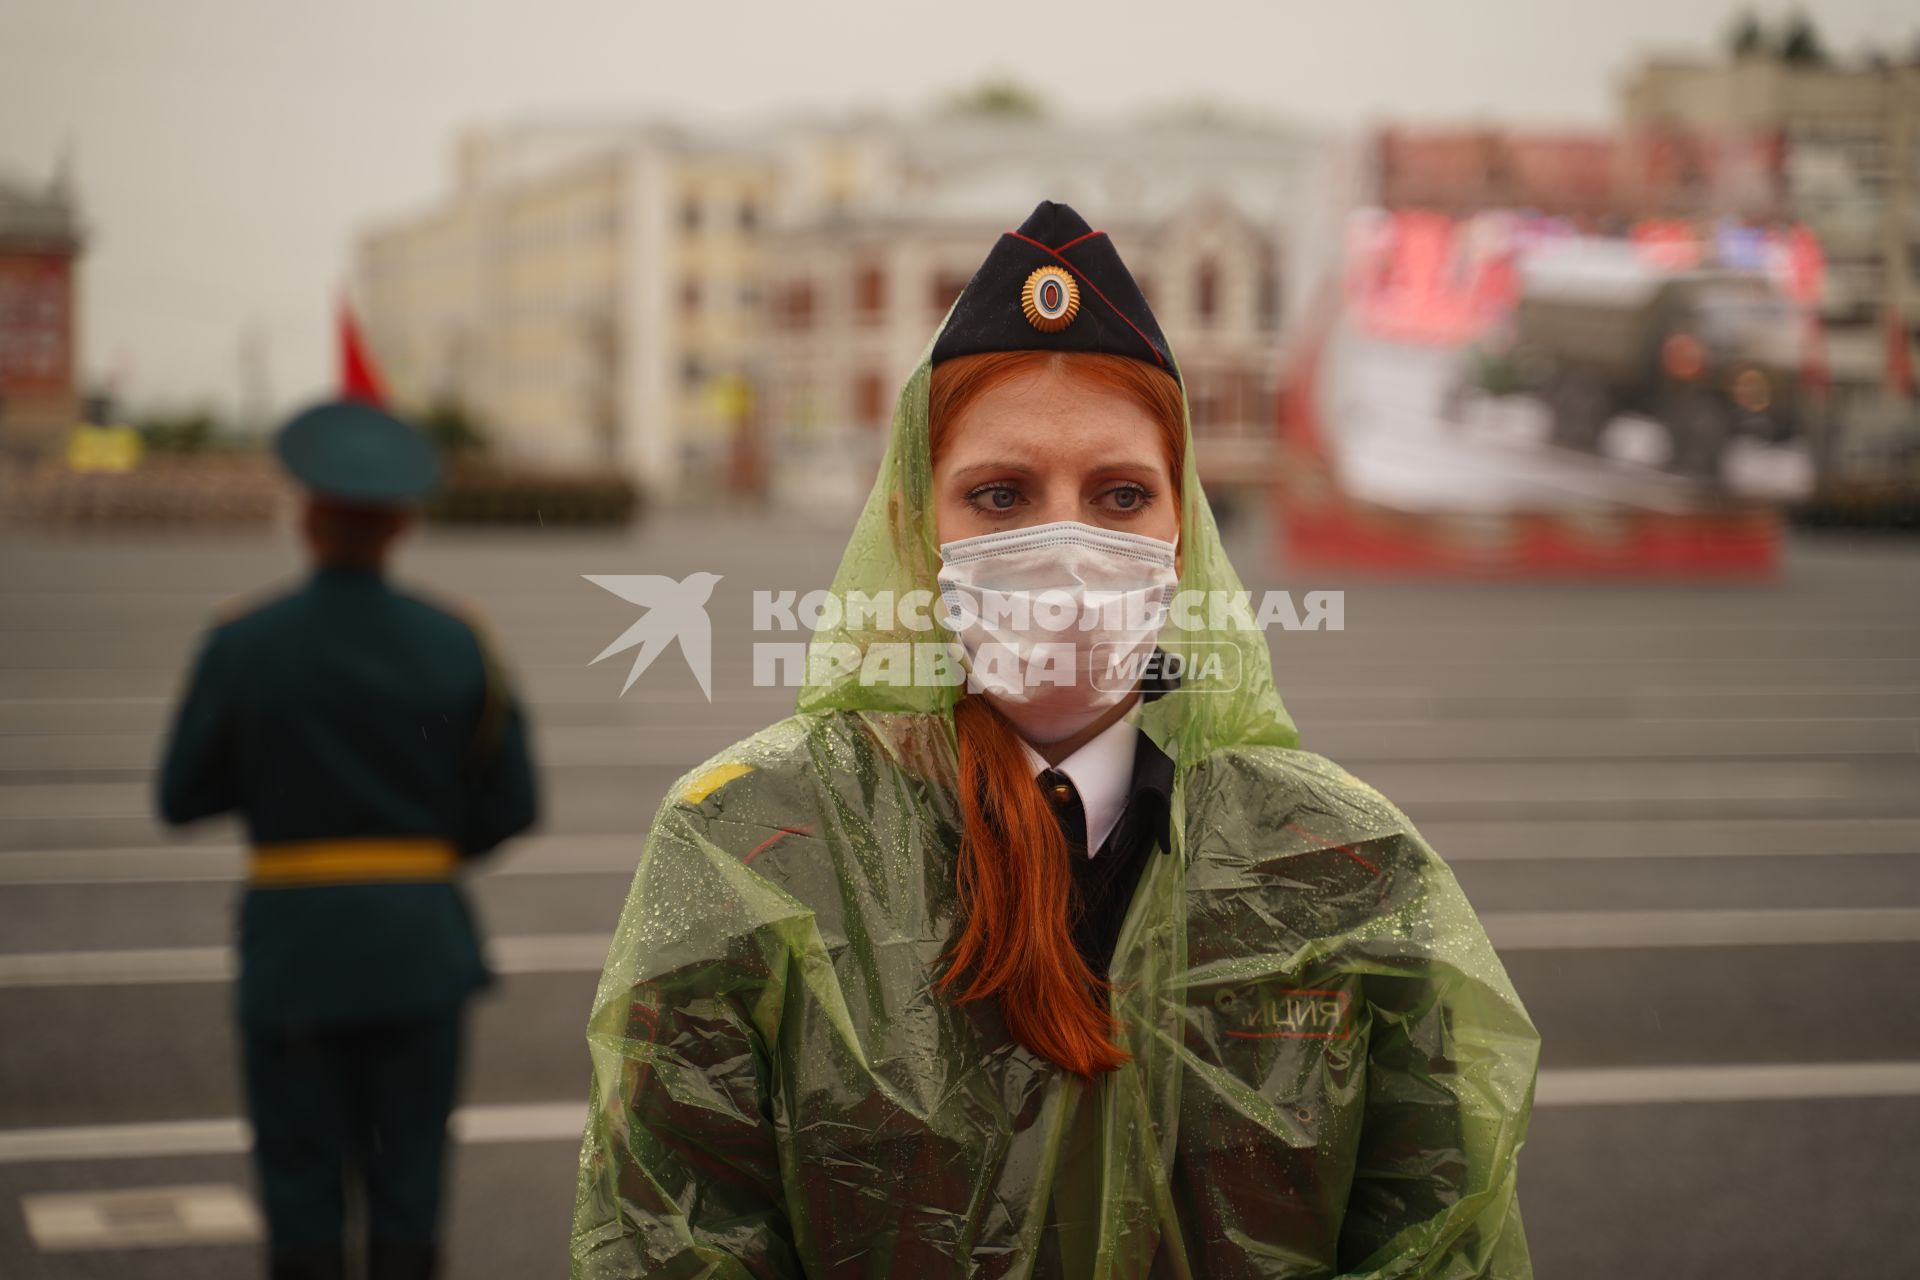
[{"x": 1082, "y": 277}]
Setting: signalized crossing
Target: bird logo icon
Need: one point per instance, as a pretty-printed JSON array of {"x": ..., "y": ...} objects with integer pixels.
[{"x": 675, "y": 610}]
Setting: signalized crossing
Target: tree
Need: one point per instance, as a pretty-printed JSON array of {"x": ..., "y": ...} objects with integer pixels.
[
  {"x": 452, "y": 429},
  {"x": 1747, "y": 37},
  {"x": 185, "y": 432},
  {"x": 1201, "y": 113},
  {"x": 999, "y": 98},
  {"x": 1800, "y": 45}
]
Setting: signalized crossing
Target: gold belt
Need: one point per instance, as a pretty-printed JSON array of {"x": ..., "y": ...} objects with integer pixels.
[{"x": 306, "y": 862}]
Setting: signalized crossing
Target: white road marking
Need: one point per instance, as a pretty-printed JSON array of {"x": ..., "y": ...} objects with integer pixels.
[
  {"x": 611, "y": 854},
  {"x": 1511, "y": 931},
  {"x": 1457, "y": 840},
  {"x": 129, "y": 701},
  {"x": 54, "y": 760},
  {"x": 141, "y": 1218},
  {"x": 173, "y": 966},
  {"x": 520, "y": 1122},
  {"x": 512, "y": 1122},
  {"x": 1654, "y": 839},
  {"x": 125, "y": 1141},
  {"x": 1749, "y": 692},
  {"x": 1744, "y": 1082},
  {"x": 562, "y": 1121},
  {"x": 153, "y": 966},
  {"x": 1325, "y": 695},
  {"x": 1762, "y": 927}
]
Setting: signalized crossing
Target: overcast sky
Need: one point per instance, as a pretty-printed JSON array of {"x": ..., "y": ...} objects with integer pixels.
[{"x": 227, "y": 149}]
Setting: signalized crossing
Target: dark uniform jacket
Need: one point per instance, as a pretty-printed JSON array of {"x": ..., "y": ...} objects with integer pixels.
[{"x": 370, "y": 745}]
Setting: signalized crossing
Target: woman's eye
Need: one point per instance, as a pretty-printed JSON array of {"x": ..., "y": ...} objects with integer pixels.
[
  {"x": 993, "y": 497},
  {"x": 1129, "y": 497}
]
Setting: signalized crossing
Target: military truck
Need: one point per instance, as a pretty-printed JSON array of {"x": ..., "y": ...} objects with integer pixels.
[{"x": 1708, "y": 355}]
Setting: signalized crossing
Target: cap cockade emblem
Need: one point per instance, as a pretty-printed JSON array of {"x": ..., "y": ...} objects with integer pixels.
[{"x": 1050, "y": 299}]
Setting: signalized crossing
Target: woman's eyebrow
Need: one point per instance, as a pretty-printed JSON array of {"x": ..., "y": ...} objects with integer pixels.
[
  {"x": 1015, "y": 468},
  {"x": 1022, "y": 469}
]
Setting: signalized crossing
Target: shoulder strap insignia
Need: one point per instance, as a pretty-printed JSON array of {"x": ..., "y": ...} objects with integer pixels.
[{"x": 712, "y": 780}]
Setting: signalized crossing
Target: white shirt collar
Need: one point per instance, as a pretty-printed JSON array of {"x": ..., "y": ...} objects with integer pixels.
[{"x": 1102, "y": 772}]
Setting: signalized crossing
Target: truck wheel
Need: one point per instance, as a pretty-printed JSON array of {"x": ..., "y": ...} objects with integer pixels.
[
  {"x": 1581, "y": 408},
  {"x": 1700, "y": 426}
]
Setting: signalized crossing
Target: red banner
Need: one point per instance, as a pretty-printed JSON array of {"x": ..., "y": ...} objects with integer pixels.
[{"x": 36, "y": 323}]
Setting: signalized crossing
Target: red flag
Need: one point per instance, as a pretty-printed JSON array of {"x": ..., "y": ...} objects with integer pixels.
[{"x": 359, "y": 376}]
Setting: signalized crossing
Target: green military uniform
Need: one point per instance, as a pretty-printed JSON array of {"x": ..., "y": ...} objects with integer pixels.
[
  {"x": 371, "y": 747},
  {"x": 1329, "y": 1071}
]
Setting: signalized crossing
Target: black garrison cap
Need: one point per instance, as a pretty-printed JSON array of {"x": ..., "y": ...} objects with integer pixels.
[{"x": 1054, "y": 285}]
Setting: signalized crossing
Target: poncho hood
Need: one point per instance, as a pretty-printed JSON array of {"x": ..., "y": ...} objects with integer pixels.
[{"x": 1227, "y": 695}]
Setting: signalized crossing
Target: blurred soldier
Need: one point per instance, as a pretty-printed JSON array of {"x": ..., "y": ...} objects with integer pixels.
[{"x": 371, "y": 745}]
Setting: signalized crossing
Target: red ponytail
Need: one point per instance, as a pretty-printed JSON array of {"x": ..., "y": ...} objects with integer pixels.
[
  {"x": 1016, "y": 889},
  {"x": 1014, "y": 879}
]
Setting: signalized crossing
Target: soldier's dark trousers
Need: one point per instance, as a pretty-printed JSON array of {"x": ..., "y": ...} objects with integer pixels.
[{"x": 347, "y": 1106}]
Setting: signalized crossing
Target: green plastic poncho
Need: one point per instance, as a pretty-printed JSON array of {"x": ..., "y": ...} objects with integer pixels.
[{"x": 1331, "y": 1074}]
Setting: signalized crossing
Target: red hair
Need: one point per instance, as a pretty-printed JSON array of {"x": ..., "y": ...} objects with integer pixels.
[{"x": 1015, "y": 884}]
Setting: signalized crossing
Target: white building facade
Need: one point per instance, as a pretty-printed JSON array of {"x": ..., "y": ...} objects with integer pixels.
[{"x": 700, "y": 308}]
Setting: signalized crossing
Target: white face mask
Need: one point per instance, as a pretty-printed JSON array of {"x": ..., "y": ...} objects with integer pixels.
[{"x": 1057, "y": 620}]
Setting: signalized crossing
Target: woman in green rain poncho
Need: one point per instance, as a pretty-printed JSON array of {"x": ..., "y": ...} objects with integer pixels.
[{"x": 1005, "y": 973}]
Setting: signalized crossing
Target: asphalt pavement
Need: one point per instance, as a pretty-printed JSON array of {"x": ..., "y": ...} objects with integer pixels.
[{"x": 1689, "y": 816}]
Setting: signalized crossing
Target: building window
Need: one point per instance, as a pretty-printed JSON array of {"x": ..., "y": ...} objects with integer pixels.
[
  {"x": 1260, "y": 405},
  {"x": 947, "y": 286},
  {"x": 690, "y": 215},
  {"x": 1267, "y": 304},
  {"x": 869, "y": 400},
  {"x": 1206, "y": 292},
  {"x": 1203, "y": 403},
  {"x": 748, "y": 216},
  {"x": 690, "y": 296},
  {"x": 870, "y": 290},
  {"x": 793, "y": 305},
  {"x": 692, "y": 372}
]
